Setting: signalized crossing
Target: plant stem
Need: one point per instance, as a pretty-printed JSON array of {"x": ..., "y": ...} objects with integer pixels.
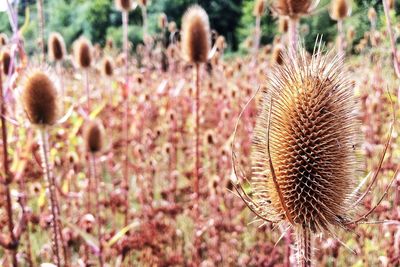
[
  {"x": 126, "y": 117},
  {"x": 257, "y": 35},
  {"x": 96, "y": 181},
  {"x": 8, "y": 179},
  {"x": 87, "y": 90},
  {"x": 60, "y": 74},
  {"x": 197, "y": 129},
  {"x": 340, "y": 37},
  {"x": 41, "y": 29},
  {"x": 52, "y": 191},
  {"x": 304, "y": 247},
  {"x": 293, "y": 25}
]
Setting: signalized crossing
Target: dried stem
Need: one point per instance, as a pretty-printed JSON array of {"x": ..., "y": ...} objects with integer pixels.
[
  {"x": 396, "y": 62},
  {"x": 197, "y": 129},
  {"x": 144, "y": 16},
  {"x": 8, "y": 179},
  {"x": 96, "y": 181},
  {"x": 304, "y": 247},
  {"x": 52, "y": 190},
  {"x": 293, "y": 24},
  {"x": 126, "y": 122},
  {"x": 61, "y": 76},
  {"x": 87, "y": 90},
  {"x": 257, "y": 35},
  {"x": 340, "y": 37},
  {"x": 41, "y": 29}
]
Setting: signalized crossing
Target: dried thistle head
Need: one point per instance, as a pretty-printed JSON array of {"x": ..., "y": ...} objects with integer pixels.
[
  {"x": 196, "y": 40},
  {"x": 6, "y": 61},
  {"x": 391, "y": 4},
  {"x": 277, "y": 55},
  {"x": 124, "y": 5},
  {"x": 283, "y": 25},
  {"x": 259, "y": 8},
  {"x": 303, "y": 147},
  {"x": 94, "y": 136},
  {"x": 294, "y": 8},
  {"x": 143, "y": 2},
  {"x": 3, "y": 39},
  {"x": 107, "y": 66},
  {"x": 39, "y": 98},
  {"x": 83, "y": 53},
  {"x": 340, "y": 9},
  {"x": 56, "y": 46}
]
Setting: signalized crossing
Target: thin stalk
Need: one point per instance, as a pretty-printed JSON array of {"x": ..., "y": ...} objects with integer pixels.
[
  {"x": 41, "y": 29},
  {"x": 126, "y": 117},
  {"x": 144, "y": 16},
  {"x": 304, "y": 247},
  {"x": 396, "y": 62},
  {"x": 257, "y": 35},
  {"x": 8, "y": 179},
  {"x": 197, "y": 129},
  {"x": 52, "y": 190},
  {"x": 87, "y": 90},
  {"x": 340, "y": 37},
  {"x": 96, "y": 181},
  {"x": 60, "y": 74},
  {"x": 293, "y": 25}
]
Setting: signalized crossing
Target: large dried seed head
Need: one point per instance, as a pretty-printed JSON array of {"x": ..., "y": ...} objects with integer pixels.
[
  {"x": 56, "y": 46},
  {"x": 196, "y": 40},
  {"x": 339, "y": 9},
  {"x": 6, "y": 61},
  {"x": 292, "y": 8},
  {"x": 39, "y": 99},
  {"x": 107, "y": 66},
  {"x": 3, "y": 39},
  {"x": 83, "y": 53},
  {"x": 307, "y": 128},
  {"x": 124, "y": 5},
  {"x": 259, "y": 8},
  {"x": 94, "y": 136}
]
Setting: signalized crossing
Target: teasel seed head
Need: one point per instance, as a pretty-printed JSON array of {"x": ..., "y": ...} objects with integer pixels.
[
  {"x": 340, "y": 9},
  {"x": 40, "y": 99},
  {"x": 107, "y": 67},
  {"x": 293, "y": 8},
  {"x": 3, "y": 39},
  {"x": 124, "y": 5},
  {"x": 283, "y": 25},
  {"x": 94, "y": 136},
  {"x": 303, "y": 146},
  {"x": 83, "y": 53},
  {"x": 390, "y": 4},
  {"x": 259, "y": 8},
  {"x": 196, "y": 40},
  {"x": 56, "y": 46},
  {"x": 277, "y": 55},
  {"x": 163, "y": 21},
  {"x": 143, "y": 2},
  {"x": 6, "y": 61}
]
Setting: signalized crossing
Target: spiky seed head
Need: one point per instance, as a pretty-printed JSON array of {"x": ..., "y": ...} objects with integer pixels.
[
  {"x": 277, "y": 55},
  {"x": 83, "y": 53},
  {"x": 372, "y": 15},
  {"x": 196, "y": 40},
  {"x": 339, "y": 9},
  {"x": 292, "y": 8},
  {"x": 162, "y": 21},
  {"x": 107, "y": 66},
  {"x": 143, "y": 2},
  {"x": 283, "y": 24},
  {"x": 259, "y": 8},
  {"x": 56, "y": 46},
  {"x": 307, "y": 127},
  {"x": 6, "y": 61},
  {"x": 3, "y": 39},
  {"x": 124, "y": 5},
  {"x": 94, "y": 136},
  {"x": 39, "y": 99},
  {"x": 391, "y": 4}
]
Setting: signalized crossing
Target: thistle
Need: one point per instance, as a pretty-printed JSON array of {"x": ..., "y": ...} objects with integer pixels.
[
  {"x": 6, "y": 62},
  {"x": 3, "y": 39},
  {"x": 303, "y": 150},
  {"x": 107, "y": 67},
  {"x": 40, "y": 102},
  {"x": 196, "y": 42},
  {"x": 83, "y": 58},
  {"x": 340, "y": 9},
  {"x": 56, "y": 46},
  {"x": 94, "y": 140}
]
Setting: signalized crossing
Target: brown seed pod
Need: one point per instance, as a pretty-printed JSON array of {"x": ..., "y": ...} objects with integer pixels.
[
  {"x": 303, "y": 146},
  {"x": 283, "y": 24},
  {"x": 143, "y": 2},
  {"x": 39, "y": 98},
  {"x": 259, "y": 8},
  {"x": 162, "y": 21},
  {"x": 3, "y": 39},
  {"x": 124, "y": 5},
  {"x": 277, "y": 55},
  {"x": 6, "y": 61},
  {"x": 339, "y": 9},
  {"x": 107, "y": 66},
  {"x": 196, "y": 40},
  {"x": 56, "y": 46},
  {"x": 172, "y": 27},
  {"x": 292, "y": 8},
  {"x": 391, "y": 4},
  {"x": 83, "y": 53},
  {"x": 94, "y": 136}
]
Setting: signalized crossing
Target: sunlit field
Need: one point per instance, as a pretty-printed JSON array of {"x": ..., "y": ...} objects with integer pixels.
[{"x": 199, "y": 133}]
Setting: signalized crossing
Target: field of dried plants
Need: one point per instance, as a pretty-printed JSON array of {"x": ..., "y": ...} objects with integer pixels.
[{"x": 173, "y": 154}]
